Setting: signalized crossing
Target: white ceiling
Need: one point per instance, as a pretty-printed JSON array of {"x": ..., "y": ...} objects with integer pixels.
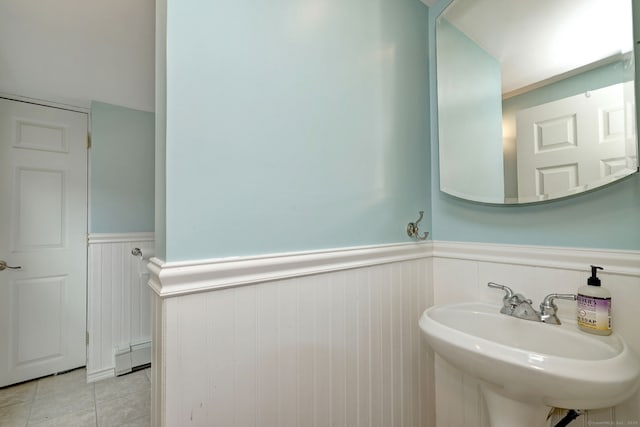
[
  {"x": 536, "y": 40},
  {"x": 75, "y": 51}
]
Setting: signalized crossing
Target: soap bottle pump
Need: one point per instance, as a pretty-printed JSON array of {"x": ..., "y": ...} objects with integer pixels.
[{"x": 594, "y": 306}]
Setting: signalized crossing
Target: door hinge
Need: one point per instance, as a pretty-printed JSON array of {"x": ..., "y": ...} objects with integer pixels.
[
  {"x": 87, "y": 337},
  {"x": 88, "y": 141}
]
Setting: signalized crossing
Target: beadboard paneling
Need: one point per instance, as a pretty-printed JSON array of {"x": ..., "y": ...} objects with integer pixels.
[
  {"x": 461, "y": 272},
  {"x": 119, "y": 299},
  {"x": 341, "y": 346},
  {"x": 335, "y": 349}
]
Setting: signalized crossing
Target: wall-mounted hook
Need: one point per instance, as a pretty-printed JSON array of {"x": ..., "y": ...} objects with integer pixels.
[
  {"x": 414, "y": 231},
  {"x": 136, "y": 252}
]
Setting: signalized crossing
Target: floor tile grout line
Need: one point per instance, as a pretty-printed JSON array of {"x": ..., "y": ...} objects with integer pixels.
[
  {"x": 33, "y": 400},
  {"x": 95, "y": 403}
]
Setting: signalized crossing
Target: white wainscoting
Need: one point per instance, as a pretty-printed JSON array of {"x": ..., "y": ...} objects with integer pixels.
[
  {"x": 461, "y": 272},
  {"x": 331, "y": 338},
  {"x": 326, "y": 338},
  {"x": 119, "y": 304}
]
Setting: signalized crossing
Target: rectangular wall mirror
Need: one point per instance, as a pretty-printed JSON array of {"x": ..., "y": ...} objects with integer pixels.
[{"x": 536, "y": 100}]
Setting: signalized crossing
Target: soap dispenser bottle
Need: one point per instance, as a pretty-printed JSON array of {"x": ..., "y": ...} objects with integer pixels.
[{"x": 594, "y": 306}]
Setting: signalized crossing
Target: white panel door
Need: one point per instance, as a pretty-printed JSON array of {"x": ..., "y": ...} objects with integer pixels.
[
  {"x": 43, "y": 229},
  {"x": 573, "y": 142}
]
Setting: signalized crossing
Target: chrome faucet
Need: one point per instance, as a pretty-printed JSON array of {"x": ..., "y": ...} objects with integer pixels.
[
  {"x": 510, "y": 301},
  {"x": 517, "y": 305}
]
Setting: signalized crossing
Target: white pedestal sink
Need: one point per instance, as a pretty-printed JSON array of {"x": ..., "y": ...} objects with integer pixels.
[{"x": 527, "y": 367}]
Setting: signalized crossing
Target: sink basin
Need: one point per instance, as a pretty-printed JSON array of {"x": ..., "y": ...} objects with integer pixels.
[{"x": 531, "y": 366}]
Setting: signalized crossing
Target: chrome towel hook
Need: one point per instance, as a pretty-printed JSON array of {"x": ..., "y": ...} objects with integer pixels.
[{"x": 414, "y": 231}]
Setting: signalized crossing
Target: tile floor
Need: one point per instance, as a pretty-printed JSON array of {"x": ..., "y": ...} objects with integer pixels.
[{"x": 67, "y": 400}]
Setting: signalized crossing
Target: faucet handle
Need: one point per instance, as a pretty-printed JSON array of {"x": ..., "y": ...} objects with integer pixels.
[
  {"x": 507, "y": 302},
  {"x": 548, "y": 308},
  {"x": 547, "y": 303},
  {"x": 508, "y": 291}
]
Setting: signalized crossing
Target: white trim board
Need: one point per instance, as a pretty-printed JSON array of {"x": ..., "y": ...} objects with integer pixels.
[
  {"x": 565, "y": 258},
  {"x": 100, "y": 375},
  {"x": 180, "y": 278},
  {"x": 95, "y": 238}
]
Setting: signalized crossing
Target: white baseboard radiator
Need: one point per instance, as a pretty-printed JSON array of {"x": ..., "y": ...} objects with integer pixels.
[{"x": 133, "y": 357}]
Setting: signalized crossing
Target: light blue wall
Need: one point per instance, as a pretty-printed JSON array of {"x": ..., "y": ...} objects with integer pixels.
[
  {"x": 293, "y": 125},
  {"x": 605, "y": 218},
  {"x": 469, "y": 113},
  {"x": 122, "y": 169}
]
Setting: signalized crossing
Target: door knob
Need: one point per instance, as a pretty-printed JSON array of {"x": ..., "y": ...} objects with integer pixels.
[{"x": 4, "y": 266}]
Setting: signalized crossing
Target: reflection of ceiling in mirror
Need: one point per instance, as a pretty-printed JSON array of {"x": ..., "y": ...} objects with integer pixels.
[{"x": 563, "y": 34}]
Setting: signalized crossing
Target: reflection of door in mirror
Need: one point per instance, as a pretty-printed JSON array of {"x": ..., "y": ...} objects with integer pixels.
[{"x": 566, "y": 145}]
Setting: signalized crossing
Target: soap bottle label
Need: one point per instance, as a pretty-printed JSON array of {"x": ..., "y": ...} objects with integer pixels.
[{"x": 594, "y": 313}]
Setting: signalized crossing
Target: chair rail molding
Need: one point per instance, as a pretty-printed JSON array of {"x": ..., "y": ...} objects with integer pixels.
[
  {"x": 621, "y": 262},
  {"x": 94, "y": 238},
  {"x": 181, "y": 278}
]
